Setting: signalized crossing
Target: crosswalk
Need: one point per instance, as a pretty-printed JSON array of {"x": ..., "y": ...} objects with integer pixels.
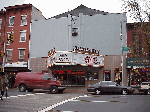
[{"x": 23, "y": 95}]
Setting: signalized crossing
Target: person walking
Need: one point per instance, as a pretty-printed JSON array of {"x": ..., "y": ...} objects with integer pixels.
[{"x": 3, "y": 84}]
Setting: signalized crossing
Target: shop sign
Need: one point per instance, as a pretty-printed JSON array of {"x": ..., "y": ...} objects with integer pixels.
[
  {"x": 16, "y": 64},
  {"x": 137, "y": 62}
]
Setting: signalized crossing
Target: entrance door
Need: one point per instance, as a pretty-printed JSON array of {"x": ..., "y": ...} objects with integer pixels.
[
  {"x": 107, "y": 76},
  {"x": 80, "y": 79},
  {"x": 72, "y": 79}
]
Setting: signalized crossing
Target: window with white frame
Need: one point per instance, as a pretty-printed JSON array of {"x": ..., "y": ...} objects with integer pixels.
[
  {"x": 23, "y": 20},
  {"x": 0, "y": 23},
  {"x": 9, "y": 55},
  {"x": 11, "y": 21},
  {"x": 22, "y": 36},
  {"x": 21, "y": 54}
]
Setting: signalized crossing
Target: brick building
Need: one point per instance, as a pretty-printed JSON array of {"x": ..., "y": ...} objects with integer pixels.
[
  {"x": 138, "y": 65},
  {"x": 17, "y": 20}
]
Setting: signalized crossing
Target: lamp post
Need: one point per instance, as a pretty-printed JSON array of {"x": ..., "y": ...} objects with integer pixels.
[{"x": 122, "y": 38}]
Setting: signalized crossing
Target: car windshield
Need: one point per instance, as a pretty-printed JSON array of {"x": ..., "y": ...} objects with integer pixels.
[
  {"x": 111, "y": 83},
  {"x": 108, "y": 83},
  {"x": 51, "y": 76}
]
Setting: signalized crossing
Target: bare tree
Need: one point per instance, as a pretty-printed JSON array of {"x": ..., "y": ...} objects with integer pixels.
[{"x": 139, "y": 11}]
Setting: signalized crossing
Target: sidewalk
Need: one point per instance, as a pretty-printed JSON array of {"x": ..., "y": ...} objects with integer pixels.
[{"x": 76, "y": 89}]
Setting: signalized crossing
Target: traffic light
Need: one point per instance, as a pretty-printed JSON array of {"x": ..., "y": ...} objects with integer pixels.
[
  {"x": 1, "y": 54},
  {"x": 11, "y": 38}
]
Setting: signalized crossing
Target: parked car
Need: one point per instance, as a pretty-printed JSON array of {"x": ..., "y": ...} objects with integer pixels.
[
  {"x": 145, "y": 87},
  {"x": 30, "y": 81},
  {"x": 109, "y": 86}
]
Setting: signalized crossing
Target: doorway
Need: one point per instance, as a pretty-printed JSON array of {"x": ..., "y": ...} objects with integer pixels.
[{"x": 107, "y": 76}]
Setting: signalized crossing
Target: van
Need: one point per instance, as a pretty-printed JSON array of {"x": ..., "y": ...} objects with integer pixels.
[{"x": 30, "y": 81}]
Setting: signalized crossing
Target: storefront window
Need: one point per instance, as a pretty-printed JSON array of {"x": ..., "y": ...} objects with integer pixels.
[
  {"x": 92, "y": 76},
  {"x": 137, "y": 76}
]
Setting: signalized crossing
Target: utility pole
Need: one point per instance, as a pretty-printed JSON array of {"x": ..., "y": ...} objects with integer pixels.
[
  {"x": 4, "y": 42},
  {"x": 121, "y": 37},
  {"x": 122, "y": 48}
]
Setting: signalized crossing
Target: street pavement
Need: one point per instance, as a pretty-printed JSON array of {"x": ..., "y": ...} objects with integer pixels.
[
  {"x": 106, "y": 103},
  {"x": 39, "y": 100},
  {"x": 36, "y": 100}
]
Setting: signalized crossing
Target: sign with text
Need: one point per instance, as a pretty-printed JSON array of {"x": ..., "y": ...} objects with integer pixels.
[
  {"x": 126, "y": 48},
  {"x": 72, "y": 58},
  {"x": 16, "y": 64}
]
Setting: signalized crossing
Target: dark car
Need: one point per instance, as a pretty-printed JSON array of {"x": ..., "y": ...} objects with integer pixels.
[{"x": 109, "y": 86}]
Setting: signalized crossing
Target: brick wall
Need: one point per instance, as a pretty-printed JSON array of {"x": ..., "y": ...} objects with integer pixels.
[{"x": 38, "y": 65}]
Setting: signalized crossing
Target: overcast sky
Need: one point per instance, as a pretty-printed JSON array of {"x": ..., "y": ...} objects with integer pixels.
[{"x": 50, "y": 8}]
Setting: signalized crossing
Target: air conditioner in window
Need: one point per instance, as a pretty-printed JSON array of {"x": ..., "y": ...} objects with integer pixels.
[
  {"x": 74, "y": 31},
  {"x": 21, "y": 59}
]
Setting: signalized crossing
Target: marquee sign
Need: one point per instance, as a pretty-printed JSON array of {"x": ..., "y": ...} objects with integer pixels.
[{"x": 73, "y": 58}]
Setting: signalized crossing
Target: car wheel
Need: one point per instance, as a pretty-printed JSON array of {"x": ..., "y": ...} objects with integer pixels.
[
  {"x": 54, "y": 90},
  {"x": 30, "y": 90},
  {"x": 22, "y": 88},
  {"x": 124, "y": 91},
  {"x": 148, "y": 92},
  {"x": 97, "y": 91}
]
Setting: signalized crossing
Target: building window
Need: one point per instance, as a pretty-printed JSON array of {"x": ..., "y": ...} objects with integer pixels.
[
  {"x": 21, "y": 54},
  {"x": 0, "y": 23},
  {"x": 22, "y": 36},
  {"x": 92, "y": 76},
  {"x": 9, "y": 55},
  {"x": 11, "y": 21},
  {"x": 23, "y": 20},
  {"x": 134, "y": 34},
  {"x": 74, "y": 31}
]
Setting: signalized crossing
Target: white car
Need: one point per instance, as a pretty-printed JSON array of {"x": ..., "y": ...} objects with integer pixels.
[{"x": 145, "y": 87}]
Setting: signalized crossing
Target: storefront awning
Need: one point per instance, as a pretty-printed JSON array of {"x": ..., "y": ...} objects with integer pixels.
[{"x": 137, "y": 62}]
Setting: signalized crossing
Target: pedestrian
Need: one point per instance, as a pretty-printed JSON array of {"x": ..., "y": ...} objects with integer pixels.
[{"x": 3, "y": 84}]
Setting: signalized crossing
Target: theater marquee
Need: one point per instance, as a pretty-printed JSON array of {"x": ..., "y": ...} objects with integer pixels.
[{"x": 74, "y": 58}]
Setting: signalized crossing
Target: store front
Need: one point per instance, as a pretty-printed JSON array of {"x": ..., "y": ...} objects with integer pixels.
[
  {"x": 138, "y": 70},
  {"x": 76, "y": 67},
  {"x": 70, "y": 78},
  {"x": 75, "y": 77},
  {"x": 11, "y": 70}
]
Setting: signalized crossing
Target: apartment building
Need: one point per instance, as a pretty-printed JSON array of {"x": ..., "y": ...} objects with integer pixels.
[{"x": 17, "y": 20}]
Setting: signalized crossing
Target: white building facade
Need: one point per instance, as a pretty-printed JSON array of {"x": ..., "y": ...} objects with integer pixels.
[{"x": 78, "y": 37}]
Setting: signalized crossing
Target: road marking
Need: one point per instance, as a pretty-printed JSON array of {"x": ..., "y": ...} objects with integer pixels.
[
  {"x": 60, "y": 103},
  {"x": 24, "y": 95}
]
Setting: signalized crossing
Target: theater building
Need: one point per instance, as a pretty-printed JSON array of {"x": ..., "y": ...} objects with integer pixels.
[{"x": 79, "y": 47}]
